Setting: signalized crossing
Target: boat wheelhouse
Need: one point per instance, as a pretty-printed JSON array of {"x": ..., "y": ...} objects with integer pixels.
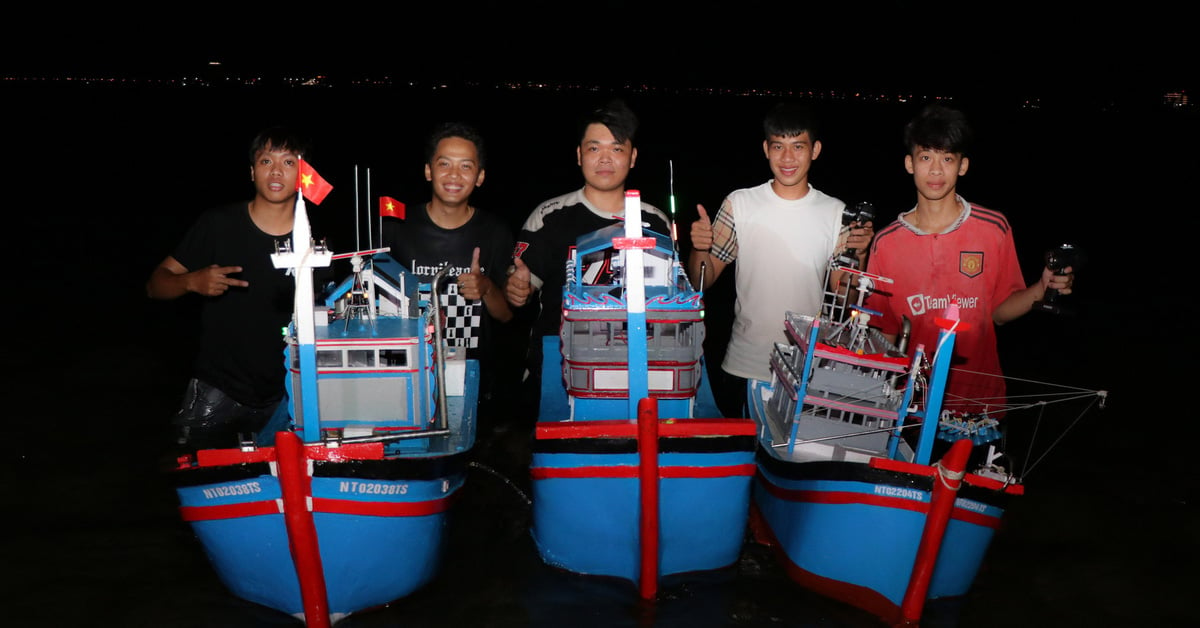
[
  {"x": 635, "y": 474},
  {"x": 595, "y": 329}
]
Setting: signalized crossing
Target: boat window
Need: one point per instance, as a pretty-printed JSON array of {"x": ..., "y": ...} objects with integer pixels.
[
  {"x": 393, "y": 357},
  {"x": 687, "y": 334},
  {"x": 579, "y": 379},
  {"x": 686, "y": 381},
  {"x": 602, "y": 333},
  {"x": 360, "y": 357},
  {"x": 597, "y": 268},
  {"x": 331, "y": 358}
]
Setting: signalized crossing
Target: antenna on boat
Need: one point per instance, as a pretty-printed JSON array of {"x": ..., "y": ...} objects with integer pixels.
[
  {"x": 357, "y": 245},
  {"x": 671, "y": 194},
  {"x": 369, "y": 239}
]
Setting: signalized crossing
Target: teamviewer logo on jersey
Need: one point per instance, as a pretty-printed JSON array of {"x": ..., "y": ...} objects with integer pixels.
[{"x": 916, "y": 304}]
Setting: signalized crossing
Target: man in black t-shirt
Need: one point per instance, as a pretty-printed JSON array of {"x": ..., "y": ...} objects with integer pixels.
[
  {"x": 238, "y": 374},
  {"x": 476, "y": 245},
  {"x": 606, "y": 153}
]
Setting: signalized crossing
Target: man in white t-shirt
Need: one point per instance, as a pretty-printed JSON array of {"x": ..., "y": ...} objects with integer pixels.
[{"x": 782, "y": 234}]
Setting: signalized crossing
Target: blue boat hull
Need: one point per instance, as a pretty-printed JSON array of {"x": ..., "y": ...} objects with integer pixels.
[
  {"x": 587, "y": 494},
  {"x": 380, "y": 536},
  {"x": 851, "y": 530},
  {"x": 587, "y": 510}
]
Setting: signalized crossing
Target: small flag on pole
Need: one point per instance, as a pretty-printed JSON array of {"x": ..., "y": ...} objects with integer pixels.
[
  {"x": 391, "y": 207},
  {"x": 312, "y": 185}
]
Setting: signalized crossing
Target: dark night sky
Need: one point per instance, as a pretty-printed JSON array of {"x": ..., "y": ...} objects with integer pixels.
[{"x": 864, "y": 45}]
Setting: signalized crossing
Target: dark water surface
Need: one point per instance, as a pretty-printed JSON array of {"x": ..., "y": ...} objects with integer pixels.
[{"x": 106, "y": 180}]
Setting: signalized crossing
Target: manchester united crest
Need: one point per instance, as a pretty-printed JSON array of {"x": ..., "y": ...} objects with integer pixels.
[{"x": 970, "y": 263}]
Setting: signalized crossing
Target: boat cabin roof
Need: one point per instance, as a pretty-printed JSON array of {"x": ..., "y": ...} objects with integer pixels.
[
  {"x": 392, "y": 280},
  {"x": 602, "y": 239}
]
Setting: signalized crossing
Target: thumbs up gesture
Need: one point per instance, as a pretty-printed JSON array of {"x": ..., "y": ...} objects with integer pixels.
[
  {"x": 519, "y": 285},
  {"x": 702, "y": 231},
  {"x": 474, "y": 284}
]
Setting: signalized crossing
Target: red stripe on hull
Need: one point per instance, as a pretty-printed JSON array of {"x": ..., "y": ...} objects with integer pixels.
[
  {"x": 547, "y": 473},
  {"x": 585, "y": 393},
  {"x": 381, "y": 509},
  {"x": 926, "y": 470},
  {"x": 229, "y": 511},
  {"x": 627, "y": 429},
  {"x": 319, "y": 504},
  {"x": 348, "y": 451},
  {"x": 850, "y": 497},
  {"x": 223, "y": 457},
  {"x": 844, "y": 497}
]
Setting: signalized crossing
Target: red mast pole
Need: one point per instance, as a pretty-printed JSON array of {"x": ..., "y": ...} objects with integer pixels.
[
  {"x": 648, "y": 478},
  {"x": 946, "y": 483},
  {"x": 302, "y": 532}
]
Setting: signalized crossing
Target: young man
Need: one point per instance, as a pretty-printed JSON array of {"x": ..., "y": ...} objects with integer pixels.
[
  {"x": 782, "y": 234},
  {"x": 605, "y": 154},
  {"x": 450, "y": 231},
  {"x": 225, "y": 257},
  {"x": 947, "y": 250}
]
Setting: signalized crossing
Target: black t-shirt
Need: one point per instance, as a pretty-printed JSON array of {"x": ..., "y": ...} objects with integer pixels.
[
  {"x": 549, "y": 233},
  {"x": 424, "y": 248},
  {"x": 242, "y": 341}
]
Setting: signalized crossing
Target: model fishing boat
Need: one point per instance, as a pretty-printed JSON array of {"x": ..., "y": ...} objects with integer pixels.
[
  {"x": 855, "y": 506},
  {"x": 347, "y": 511},
  {"x": 634, "y": 474}
]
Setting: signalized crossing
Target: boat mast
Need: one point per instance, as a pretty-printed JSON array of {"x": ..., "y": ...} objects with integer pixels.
[
  {"x": 635, "y": 299},
  {"x": 300, "y": 258}
]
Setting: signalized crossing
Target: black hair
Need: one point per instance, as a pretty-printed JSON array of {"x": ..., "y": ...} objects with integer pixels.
[
  {"x": 616, "y": 116},
  {"x": 938, "y": 127},
  {"x": 455, "y": 129},
  {"x": 789, "y": 120},
  {"x": 278, "y": 138}
]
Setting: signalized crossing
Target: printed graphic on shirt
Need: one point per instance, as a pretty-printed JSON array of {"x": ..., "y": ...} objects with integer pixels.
[
  {"x": 970, "y": 263},
  {"x": 463, "y": 315},
  {"x": 462, "y": 318},
  {"x": 919, "y": 304},
  {"x": 916, "y": 304},
  {"x": 519, "y": 249}
]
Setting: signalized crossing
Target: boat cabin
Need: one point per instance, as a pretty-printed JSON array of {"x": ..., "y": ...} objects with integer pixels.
[
  {"x": 373, "y": 353},
  {"x": 594, "y": 331}
]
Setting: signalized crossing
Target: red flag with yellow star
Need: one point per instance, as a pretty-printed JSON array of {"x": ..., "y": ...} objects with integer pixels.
[
  {"x": 391, "y": 207},
  {"x": 311, "y": 184}
]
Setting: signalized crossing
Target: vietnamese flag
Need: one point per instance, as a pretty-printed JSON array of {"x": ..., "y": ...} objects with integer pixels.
[
  {"x": 391, "y": 207},
  {"x": 312, "y": 185}
]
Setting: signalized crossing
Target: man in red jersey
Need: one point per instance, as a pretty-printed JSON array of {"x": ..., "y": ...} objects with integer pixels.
[{"x": 948, "y": 251}]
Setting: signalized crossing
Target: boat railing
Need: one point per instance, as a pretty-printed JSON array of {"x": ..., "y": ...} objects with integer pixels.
[
  {"x": 334, "y": 438},
  {"x": 443, "y": 421},
  {"x": 865, "y": 394}
]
